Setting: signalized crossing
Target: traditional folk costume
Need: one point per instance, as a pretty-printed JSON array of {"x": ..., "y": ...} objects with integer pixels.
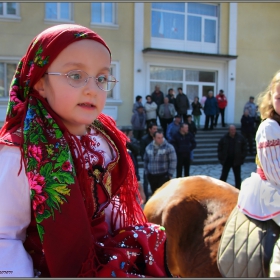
[
  {"x": 67, "y": 203},
  {"x": 259, "y": 197}
]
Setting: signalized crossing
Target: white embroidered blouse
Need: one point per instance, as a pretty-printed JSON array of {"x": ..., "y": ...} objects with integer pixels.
[
  {"x": 15, "y": 209},
  {"x": 258, "y": 198}
]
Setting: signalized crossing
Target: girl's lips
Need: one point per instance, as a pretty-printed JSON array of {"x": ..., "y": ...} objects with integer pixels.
[{"x": 86, "y": 105}]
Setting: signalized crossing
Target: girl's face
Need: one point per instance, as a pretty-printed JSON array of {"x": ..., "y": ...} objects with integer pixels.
[
  {"x": 276, "y": 99},
  {"x": 77, "y": 107}
]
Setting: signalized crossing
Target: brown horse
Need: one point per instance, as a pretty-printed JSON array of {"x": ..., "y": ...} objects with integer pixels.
[{"x": 193, "y": 211}]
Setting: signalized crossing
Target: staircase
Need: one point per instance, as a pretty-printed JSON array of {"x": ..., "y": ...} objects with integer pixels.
[{"x": 206, "y": 151}]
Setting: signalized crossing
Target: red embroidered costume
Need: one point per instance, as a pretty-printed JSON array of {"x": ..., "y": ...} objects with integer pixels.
[{"x": 85, "y": 219}]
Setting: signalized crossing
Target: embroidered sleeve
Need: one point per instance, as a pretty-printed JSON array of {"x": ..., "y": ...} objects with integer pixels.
[
  {"x": 268, "y": 150},
  {"x": 15, "y": 215},
  {"x": 102, "y": 145}
]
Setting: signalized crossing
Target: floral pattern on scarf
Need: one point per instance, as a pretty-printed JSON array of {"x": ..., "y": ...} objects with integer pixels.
[{"x": 49, "y": 167}]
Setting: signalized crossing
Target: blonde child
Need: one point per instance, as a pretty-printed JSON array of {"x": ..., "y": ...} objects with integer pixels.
[
  {"x": 67, "y": 188},
  {"x": 259, "y": 197}
]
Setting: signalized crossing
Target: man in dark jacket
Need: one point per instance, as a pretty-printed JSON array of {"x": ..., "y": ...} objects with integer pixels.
[
  {"x": 183, "y": 142},
  {"x": 157, "y": 97},
  {"x": 144, "y": 142},
  {"x": 210, "y": 110},
  {"x": 248, "y": 129},
  {"x": 182, "y": 104},
  {"x": 232, "y": 150}
]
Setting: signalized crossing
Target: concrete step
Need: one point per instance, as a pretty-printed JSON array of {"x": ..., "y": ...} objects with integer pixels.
[
  {"x": 210, "y": 148},
  {"x": 206, "y": 160}
]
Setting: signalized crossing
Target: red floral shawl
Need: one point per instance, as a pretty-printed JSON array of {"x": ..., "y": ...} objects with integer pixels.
[{"x": 60, "y": 195}]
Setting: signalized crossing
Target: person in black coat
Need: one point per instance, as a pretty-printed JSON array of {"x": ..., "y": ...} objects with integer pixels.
[
  {"x": 191, "y": 124},
  {"x": 171, "y": 97},
  {"x": 232, "y": 151},
  {"x": 210, "y": 110},
  {"x": 184, "y": 143},
  {"x": 182, "y": 104},
  {"x": 248, "y": 129},
  {"x": 157, "y": 96}
]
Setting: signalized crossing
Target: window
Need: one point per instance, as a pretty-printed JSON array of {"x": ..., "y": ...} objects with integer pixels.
[
  {"x": 58, "y": 11},
  {"x": 9, "y": 9},
  {"x": 201, "y": 22},
  {"x": 168, "y": 20},
  {"x": 166, "y": 78},
  {"x": 7, "y": 71},
  {"x": 194, "y": 26},
  {"x": 114, "y": 93},
  {"x": 189, "y": 79},
  {"x": 200, "y": 76},
  {"x": 103, "y": 13}
]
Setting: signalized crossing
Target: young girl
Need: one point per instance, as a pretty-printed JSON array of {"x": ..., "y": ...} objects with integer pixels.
[
  {"x": 67, "y": 187},
  {"x": 259, "y": 197}
]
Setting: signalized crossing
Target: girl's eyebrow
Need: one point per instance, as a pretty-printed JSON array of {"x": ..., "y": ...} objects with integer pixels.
[
  {"x": 77, "y": 64},
  {"x": 80, "y": 65}
]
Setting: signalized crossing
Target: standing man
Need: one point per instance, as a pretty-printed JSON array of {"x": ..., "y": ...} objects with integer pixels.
[
  {"x": 138, "y": 102},
  {"x": 191, "y": 124},
  {"x": 138, "y": 121},
  {"x": 159, "y": 161},
  {"x": 210, "y": 110},
  {"x": 232, "y": 150},
  {"x": 166, "y": 114},
  {"x": 173, "y": 128},
  {"x": 171, "y": 97},
  {"x": 222, "y": 103},
  {"x": 144, "y": 142},
  {"x": 248, "y": 129},
  {"x": 157, "y": 97},
  {"x": 184, "y": 143},
  {"x": 182, "y": 104},
  {"x": 252, "y": 108}
]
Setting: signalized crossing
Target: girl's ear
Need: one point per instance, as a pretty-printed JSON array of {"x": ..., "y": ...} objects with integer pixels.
[{"x": 40, "y": 87}]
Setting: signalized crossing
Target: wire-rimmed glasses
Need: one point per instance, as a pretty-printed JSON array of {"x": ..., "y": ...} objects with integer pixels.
[{"x": 79, "y": 78}]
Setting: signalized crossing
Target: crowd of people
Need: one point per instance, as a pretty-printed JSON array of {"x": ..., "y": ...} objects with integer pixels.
[
  {"x": 164, "y": 108},
  {"x": 168, "y": 114},
  {"x": 166, "y": 136}
]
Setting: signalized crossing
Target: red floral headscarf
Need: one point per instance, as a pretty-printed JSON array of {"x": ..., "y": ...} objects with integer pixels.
[{"x": 61, "y": 198}]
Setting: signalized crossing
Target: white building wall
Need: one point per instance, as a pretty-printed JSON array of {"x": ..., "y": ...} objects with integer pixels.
[
  {"x": 139, "y": 77},
  {"x": 231, "y": 73}
]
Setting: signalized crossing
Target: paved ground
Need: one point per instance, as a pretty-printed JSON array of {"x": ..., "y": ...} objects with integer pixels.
[{"x": 215, "y": 170}]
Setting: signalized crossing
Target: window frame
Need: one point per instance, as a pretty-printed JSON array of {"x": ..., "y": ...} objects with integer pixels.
[
  {"x": 6, "y": 16},
  {"x": 59, "y": 19},
  {"x": 103, "y": 24},
  {"x": 115, "y": 71},
  {"x": 7, "y": 82},
  {"x": 187, "y": 45}
]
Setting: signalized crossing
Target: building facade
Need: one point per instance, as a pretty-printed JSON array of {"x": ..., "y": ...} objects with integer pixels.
[{"x": 196, "y": 46}]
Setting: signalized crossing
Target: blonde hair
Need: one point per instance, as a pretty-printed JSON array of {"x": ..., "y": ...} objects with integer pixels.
[{"x": 265, "y": 99}]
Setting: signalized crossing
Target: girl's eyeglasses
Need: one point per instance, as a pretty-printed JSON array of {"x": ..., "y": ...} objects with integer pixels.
[{"x": 79, "y": 78}]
